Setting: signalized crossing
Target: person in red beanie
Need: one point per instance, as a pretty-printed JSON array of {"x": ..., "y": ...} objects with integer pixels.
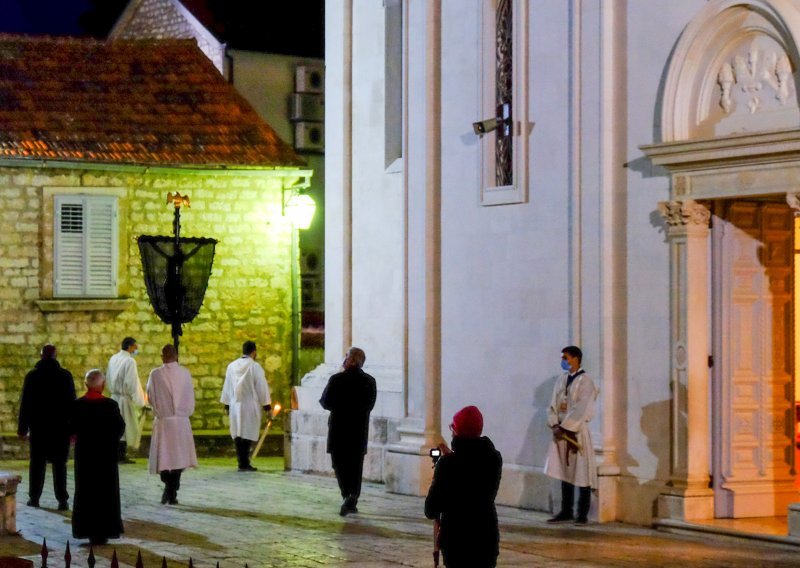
[{"x": 462, "y": 494}]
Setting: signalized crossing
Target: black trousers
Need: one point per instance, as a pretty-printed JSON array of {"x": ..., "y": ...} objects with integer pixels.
[
  {"x": 348, "y": 467},
  {"x": 55, "y": 451},
  {"x": 172, "y": 482},
  {"x": 243, "y": 451},
  {"x": 568, "y": 499}
]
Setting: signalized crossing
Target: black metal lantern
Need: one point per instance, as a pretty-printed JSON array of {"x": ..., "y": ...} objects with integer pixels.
[{"x": 176, "y": 271}]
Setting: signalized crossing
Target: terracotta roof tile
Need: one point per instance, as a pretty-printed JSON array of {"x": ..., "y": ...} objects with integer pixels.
[{"x": 155, "y": 102}]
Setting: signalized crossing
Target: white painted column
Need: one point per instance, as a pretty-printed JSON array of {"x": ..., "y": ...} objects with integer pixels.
[
  {"x": 408, "y": 467},
  {"x": 688, "y": 495},
  {"x": 338, "y": 181}
]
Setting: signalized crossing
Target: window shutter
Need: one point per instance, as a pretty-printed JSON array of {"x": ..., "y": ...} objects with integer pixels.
[
  {"x": 85, "y": 237},
  {"x": 101, "y": 249}
]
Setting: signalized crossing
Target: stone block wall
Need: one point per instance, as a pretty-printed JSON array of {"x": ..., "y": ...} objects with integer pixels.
[{"x": 248, "y": 295}]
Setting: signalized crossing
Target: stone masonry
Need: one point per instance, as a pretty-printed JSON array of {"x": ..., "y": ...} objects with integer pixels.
[{"x": 248, "y": 295}]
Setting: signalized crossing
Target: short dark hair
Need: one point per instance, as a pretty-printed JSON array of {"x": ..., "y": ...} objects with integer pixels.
[
  {"x": 573, "y": 351},
  {"x": 127, "y": 342},
  {"x": 248, "y": 347}
]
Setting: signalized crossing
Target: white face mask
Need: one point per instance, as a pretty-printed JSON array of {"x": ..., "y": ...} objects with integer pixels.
[{"x": 135, "y": 352}]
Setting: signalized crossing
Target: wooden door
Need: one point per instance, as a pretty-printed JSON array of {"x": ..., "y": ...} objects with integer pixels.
[{"x": 752, "y": 259}]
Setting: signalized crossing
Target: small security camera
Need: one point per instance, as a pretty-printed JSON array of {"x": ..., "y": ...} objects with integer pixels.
[{"x": 485, "y": 126}]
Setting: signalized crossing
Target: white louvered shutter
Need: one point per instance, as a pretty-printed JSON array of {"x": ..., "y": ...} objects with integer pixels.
[{"x": 85, "y": 237}]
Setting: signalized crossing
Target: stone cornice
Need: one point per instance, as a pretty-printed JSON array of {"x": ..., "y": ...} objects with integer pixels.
[{"x": 744, "y": 150}]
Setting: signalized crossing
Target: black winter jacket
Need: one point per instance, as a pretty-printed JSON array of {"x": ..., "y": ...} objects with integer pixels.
[
  {"x": 463, "y": 491},
  {"x": 46, "y": 403}
]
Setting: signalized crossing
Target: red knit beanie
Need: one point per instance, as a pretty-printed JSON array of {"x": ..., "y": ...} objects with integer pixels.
[{"x": 468, "y": 422}]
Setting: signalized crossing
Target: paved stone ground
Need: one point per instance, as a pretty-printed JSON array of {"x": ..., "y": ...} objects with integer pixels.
[{"x": 273, "y": 518}]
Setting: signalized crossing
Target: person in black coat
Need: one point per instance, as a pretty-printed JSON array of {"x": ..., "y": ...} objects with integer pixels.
[
  {"x": 350, "y": 396},
  {"x": 47, "y": 396},
  {"x": 462, "y": 494},
  {"x": 97, "y": 426}
]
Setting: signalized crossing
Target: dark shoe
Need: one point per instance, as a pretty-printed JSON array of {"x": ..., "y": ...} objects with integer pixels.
[
  {"x": 581, "y": 521},
  {"x": 164, "y": 497},
  {"x": 33, "y": 502},
  {"x": 63, "y": 505},
  {"x": 248, "y": 468},
  {"x": 561, "y": 518},
  {"x": 174, "y": 501}
]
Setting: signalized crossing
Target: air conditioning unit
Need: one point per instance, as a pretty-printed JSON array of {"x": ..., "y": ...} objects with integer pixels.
[
  {"x": 309, "y": 79},
  {"x": 307, "y": 106},
  {"x": 309, "y": 136}
]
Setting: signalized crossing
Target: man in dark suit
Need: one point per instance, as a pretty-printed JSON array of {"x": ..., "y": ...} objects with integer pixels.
[
  {"x": 47, "y": 397},
  {"x": 350, "y": 396}
]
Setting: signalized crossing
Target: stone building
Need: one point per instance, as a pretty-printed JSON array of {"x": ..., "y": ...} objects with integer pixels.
[
  {"x": 283, "y": 83},
  {"x": 92, "y": 137},
  {"x": 632, "y": 199}
]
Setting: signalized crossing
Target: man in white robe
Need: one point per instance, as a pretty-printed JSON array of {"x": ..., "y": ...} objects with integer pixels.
[
  {"x": 122, "y": 379},
  {"x": 171, "y": 394},
  {"x": 244, "y": 394},
  {"x": 571, "y": 454}
]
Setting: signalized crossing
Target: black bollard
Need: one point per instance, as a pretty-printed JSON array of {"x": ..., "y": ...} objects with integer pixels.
[
  {"x": 91, "y": 561},
  {"x": 114, "y": 561},
  {"x": 67, "y": 557},
  {"x": 163, "y": 562},
  {"x": 139, "y": 563},
  {"x": 43, "y": 553}
]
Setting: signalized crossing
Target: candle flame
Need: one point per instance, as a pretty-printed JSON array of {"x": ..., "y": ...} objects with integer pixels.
[{"x": 276, "y": 409}]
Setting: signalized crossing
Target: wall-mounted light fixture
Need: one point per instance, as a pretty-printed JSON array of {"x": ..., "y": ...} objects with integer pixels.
[{"x": 298, "y": 207}]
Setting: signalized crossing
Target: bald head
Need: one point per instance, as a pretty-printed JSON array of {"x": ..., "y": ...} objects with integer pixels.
[
  {"x": 355, "y": 358},
  {"x": 95, "y": 380},
  {"x": 49, "y": 351},
  {"x": 169, "y": 354}
]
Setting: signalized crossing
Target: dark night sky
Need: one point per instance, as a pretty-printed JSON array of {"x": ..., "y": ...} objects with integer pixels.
[
  {"x": 249, "y": 23},
  {"x": 39, "y": 17}
]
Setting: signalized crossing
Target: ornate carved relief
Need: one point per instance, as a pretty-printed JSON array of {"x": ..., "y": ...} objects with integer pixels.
[
  {"x": 684, "y": 213},
  {"x": 753, "y": 74}
]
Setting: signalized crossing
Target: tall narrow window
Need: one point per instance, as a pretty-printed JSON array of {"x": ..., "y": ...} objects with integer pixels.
[
  {"x": 504, "y": 83},
  {"x": 86, "y": 241},
  {"x": 503, "y": 45},
  {"x": 393, "y": 81}
]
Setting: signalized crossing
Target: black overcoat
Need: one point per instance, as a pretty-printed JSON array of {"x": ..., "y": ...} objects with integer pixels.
[
  {"x": 463, "y": 491},
  {"x": 350, "y": 396},
  {"x": 97, "y": 425},
  {"x": 47, "y": 396}
]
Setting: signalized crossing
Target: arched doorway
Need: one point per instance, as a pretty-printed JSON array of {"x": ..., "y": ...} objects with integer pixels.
[{"x": 730, "y": 139}]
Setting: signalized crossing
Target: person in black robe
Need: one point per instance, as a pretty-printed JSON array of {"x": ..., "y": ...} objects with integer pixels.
[
  {"x": 462, "y": 494},
  {"x": 97, "y": 426},
  {"x": 47, "y": 396},
  {"x": 350, "y": 396}
]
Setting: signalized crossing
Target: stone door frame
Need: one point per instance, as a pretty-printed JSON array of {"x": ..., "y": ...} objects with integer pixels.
[{"x": 713, "y": 144}]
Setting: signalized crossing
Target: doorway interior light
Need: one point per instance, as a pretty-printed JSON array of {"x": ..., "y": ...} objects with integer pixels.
[{"x": 298, "y": 207}]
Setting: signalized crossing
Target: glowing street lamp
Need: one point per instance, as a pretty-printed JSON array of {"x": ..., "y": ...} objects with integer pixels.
[{"x": 300, "y": 209}]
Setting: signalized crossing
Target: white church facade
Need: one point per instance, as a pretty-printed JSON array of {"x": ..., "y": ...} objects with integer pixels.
[{"x": 635, "y": 194}]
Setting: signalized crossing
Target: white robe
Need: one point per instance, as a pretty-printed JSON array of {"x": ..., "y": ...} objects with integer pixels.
[
  {"x": 246, "y": 391},
  {"x": 123, "y": 383},
  {"x": 573, "y": 412},
  {"x": 171, "y": 395}
]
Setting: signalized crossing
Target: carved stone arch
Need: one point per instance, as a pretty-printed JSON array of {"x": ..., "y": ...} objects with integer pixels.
[{"x": 734, "y": 71}]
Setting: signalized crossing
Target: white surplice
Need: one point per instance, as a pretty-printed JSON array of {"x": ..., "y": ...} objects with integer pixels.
[
  {"x": 246, "y": 391},
  {"x": 573, "y": 410},
  {"x": 122, "y": 379},
  {"x": 171, "y": 395}
]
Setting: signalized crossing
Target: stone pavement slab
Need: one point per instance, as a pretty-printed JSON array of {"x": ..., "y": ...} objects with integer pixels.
[{"x": 273, "y": 518}]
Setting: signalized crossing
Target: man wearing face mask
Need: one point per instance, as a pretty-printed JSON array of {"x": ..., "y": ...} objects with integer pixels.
[
  {"x": 571, "y": 454},
  {"x": 123, "y": 383}
]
